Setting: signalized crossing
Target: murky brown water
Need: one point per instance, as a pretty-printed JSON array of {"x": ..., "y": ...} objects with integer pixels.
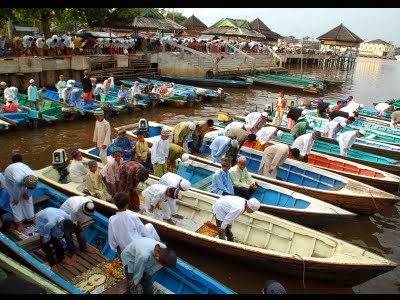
[{"x": 370, "y": 80}]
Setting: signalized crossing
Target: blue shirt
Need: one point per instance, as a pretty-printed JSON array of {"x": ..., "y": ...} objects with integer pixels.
[
  {"x": 75, "y": 96},
  {"x": 4, "y": 195},
  {"x": 219, "y": 146},
  {"x": 33, "y": 93},
  {"x": 221, "y": 182},
  {"x": 139, "y": 257},
  {"x": 122, "y": 94},
  {"x": 47, "y": 223},
  {"x": 126, "y": 144}
]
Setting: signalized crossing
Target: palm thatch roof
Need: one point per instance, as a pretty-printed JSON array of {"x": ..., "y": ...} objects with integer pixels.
[
  {"x": 260, "y": 27},
  {"x": 378, "y": 41},
  {"x": 232, "y": 27},
  {"x": 341, "y": 34},
  {"x": 150, "y": 19},
  {"x": 193, "y": 23}
]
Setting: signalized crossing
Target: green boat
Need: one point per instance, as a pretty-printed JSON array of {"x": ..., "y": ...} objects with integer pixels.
[
  {"x": 50, "y": 111},
  {"x": 9, "y": 268}
]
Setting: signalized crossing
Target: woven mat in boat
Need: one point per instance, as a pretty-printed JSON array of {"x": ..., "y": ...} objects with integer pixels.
[
  {"x": 106, "y": 273},
  {"x": 208, "y": 229}
]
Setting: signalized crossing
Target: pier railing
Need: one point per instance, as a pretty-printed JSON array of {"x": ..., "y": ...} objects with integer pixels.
[{"x": 275, "y": 55}]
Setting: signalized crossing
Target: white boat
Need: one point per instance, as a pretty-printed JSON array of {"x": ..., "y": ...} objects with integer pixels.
[{"x": 261, "y": 239}]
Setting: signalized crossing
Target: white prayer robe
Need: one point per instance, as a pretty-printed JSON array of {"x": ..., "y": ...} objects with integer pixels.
[
  {"x": 172, "y": 180},
  {"x": 159, "y": 151},
  {"x": 77, "y": 171},
  {"x": 14, "y": 176},
  {"x": 234, "y": 124},
  {"x": 304, "y": 143},
  {"x": 346, "y": 140},
  {"x": 125, "y": 226},
  {"x": 331, "y": 128},
  {"x": 102, "y": 136},
  {"x": 155, "y": 194},
  {"x": 228, "y": 208},
  {"x": 73, "y": 207},
  {"x": 381, "y": 108},
  {"x": 265, "y": 134},
  {"x": 350, "y": 107}
]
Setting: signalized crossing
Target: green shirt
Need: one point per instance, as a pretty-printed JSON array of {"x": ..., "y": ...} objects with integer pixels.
[
  {"x": 240, "y": 178},
  {"x": 174, "y": 151}
]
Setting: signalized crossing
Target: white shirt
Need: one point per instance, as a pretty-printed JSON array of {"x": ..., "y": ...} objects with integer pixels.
[
  {"x": 136, "y": 90},
  {"x": 340, "y": 119},
  {"x": 14, "y": 176},
  {"x": 228, "y": 208},
  {"x": 304, "y": 143},
  {"x": 172, "y": 180},
  {"x": 11, "y": 92},
  {"x": 159, "y": 151},
  {"x": 77, "y": 171},
  {"x": 123, "y": 227},
  {"x": 66, "y": 94},
  {"x": 154, "y": 194},
  {"x": 381, "y": 107},
  {"x": 234, "y": 124},
  {"x": 252, "y": 118},
  {"x": 331, "y": 129},
  {"x": 265, "y": 134},
  {"x": 73, "y": 207},
  {"x": 102, "y": 133},
  {"x": 350, "y": 107},
  {"x": 347, "y": 139}
]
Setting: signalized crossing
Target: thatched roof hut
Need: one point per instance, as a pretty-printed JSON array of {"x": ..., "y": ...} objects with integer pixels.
[
  {"x": 194, "y": 27},
  {"x": 340, "y": 36},
  {"x": 233, "y": 28},
  {"x": 260, "y": 27}
]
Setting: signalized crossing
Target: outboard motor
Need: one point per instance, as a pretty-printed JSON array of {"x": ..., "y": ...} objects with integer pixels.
[
  {"x": 144, "y": 127},
  {"x": 220, "y": 93},
  {"x": 268, "y": 108},
  {"x": 60, "y": 164}
]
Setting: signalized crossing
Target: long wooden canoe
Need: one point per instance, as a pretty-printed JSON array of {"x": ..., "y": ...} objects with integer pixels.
[
  {"x": 209, "y": 81},
  {"x": 276, "y": 200},
  {"x": 104, "y": 265},
  {"x": 261, "y": 239},
  {"x": 12, "y": 268}
]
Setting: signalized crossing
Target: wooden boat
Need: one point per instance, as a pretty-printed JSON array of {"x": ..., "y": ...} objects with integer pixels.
[
  {"x": 4, "y": 126},
  {"x": 83, "y": 109},
  {"x": 11, "y": 268},
  {"x": 261, "y": 239},
  {"x": 384, "y": 163},
  {"x": 276, "y": 200},
  {"x": 18, "y": 119},
  {"x": 366, "y": 145},
  {"x": 307, "y": 179},
  {"x": 102, "y": 272},
  {"x": 279, "y": 81},
  {"x": 201, "y": 93},
  {"x": 224, "y": 83},
  {"x": 371, "y": 113}
]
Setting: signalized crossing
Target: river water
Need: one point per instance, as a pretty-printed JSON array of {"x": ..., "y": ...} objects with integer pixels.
[{"x": 369, "y": 80}]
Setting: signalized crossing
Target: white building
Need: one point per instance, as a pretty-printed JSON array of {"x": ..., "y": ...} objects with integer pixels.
[{"x": 377, "y": 48}]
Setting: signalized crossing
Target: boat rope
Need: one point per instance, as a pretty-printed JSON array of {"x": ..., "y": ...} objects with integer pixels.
[
  {"x": 373, "y": 200},
  {"x": 304, "y": 269}
]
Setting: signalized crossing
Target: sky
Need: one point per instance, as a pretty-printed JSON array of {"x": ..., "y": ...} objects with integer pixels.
[{"x": 367, "y": 23}]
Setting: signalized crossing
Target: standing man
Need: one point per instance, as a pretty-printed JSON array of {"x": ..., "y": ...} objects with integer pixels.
[
  {"x": 33, "y": 95},
  {"x": 125, "y": 225},
  {"x": 280, "y": 108},
  {"x": 264, "y": 135},
  {"x": 20, "y": 183},
  {"x": 102, "y": 133},
  {"x": 132, "y": 172},
  {"x": 60, "y": 85},
  {"x": 304, "y": 144},
  {"x": 220, "y": 145},
  {"x": 332, "y": 128},
  {"x": 243, "y": 184},
  {"x": 159, "y": 152},
  {"x": 111, "y": 172},
  {"x": 347, "y": 139},
  {"x": 227, "y": 209},
  {"x": 52, "y": 225},
  {"x": 273, "y": 157},
  {"x": 87, "y": 87},
  {"x": 80, "y": 210},
  {"x": 221, "y": 183},
  {"x": 141, "y": 259}
]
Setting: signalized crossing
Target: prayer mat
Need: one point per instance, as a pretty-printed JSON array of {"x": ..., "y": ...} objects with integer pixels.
[
  {"x": 208, "y": 229},
  {"x": 105, "y": 274}
]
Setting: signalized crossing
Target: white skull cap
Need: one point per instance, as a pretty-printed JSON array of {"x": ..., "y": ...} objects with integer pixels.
[
  {"x": 31, "y": 81},
  {"x": 279, "y": 133},
  {"x": 253, "y": 204},
  {"x": 311, "y": 125},
  {"x": 192, "y": 126},
  {"x": 351, "y": 114},
  {"x": 264, "y": 114},
  {"x": 362, "y": 131},
  {"x": 234, "y": 143},
  {"x": 185, "y": 157},
  {"x": 185, "y": 185}
]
